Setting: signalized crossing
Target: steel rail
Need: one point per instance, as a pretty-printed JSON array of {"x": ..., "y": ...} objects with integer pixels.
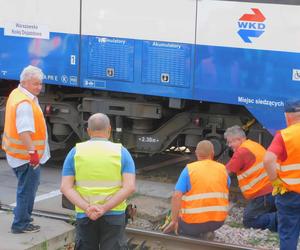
[
  {"x": 173, "y": 242},
  {"x": 144, "y": 239},
  {"x": 40, "y": 213}
]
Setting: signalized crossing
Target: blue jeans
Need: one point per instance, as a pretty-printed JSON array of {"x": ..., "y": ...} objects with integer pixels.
[
  {"x": 261, "y": 213},
  {"x": 288, "y": 206},
  {"x": 28, "y": 182}
]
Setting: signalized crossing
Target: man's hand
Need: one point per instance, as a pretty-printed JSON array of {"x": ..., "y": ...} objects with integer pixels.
[
  {"x": 95, "y": 211},
  {"x": 34, "y": 159},
  {"x": 172, "y": 227},
  {"x": 278, "y": 187}
]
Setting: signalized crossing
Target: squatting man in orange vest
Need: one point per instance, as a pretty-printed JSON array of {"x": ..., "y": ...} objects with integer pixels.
[
  {"x": 200, "y": 201},
  {"x": 282, "y": 162},
  {"x": 98, "y": 176},
  {"x": 25, "y": 143},
  {"x": 247, "y": 164}
]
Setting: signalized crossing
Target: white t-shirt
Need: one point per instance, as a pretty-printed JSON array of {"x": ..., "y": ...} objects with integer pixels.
[{"x": 25, "y": 122}]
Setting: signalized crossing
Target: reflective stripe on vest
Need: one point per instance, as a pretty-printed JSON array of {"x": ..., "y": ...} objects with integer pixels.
[
  {"x": 254, "y": 178},
  {"x": 96, "y": 183},
  {"x": 205, "y": 196},
  {"x": 18, "y": 151},
  {"x": 289, "y": 171},
  {"x": 98, "y": 172},
  {"x": 19, "y": 142},
  {"x": 6, "y": 141},
  {"x": 204, "y": 209},
  {"x": 291, "y": 181},
  {"x": 207, "y": 200},
  {"x": 289, "y": 167},
  {"x": 99, "y": 199},
  {"x": 253, "y": 182},
  {"x": 250, "y": 171}
]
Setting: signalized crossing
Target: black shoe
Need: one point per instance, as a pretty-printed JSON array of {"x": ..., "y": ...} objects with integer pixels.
[
  {"x": 31, "y": 219},
  {"x": 29, "y": 229}
]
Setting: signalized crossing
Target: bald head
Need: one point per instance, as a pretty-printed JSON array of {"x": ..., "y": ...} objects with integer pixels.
[
  {"x": 205, "y": 150},
  {"x": 99, "y": 125}
]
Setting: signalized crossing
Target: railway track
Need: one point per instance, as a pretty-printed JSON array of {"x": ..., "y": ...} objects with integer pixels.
[
  {"x": 139, "y": 239},
  {"x": 143, "y": 240}
]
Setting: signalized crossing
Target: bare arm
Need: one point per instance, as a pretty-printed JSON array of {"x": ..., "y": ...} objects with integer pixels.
[
  {"x": 270, "y": 164},
  {"x": 128, "y": 187},
  {"x": 25, "y": 137},
  {"x": 67, "y": 188},
  {"x": 176, "y": 204}
]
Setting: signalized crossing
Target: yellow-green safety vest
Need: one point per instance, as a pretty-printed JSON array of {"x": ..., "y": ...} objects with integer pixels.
[{"x": 98, "y": 172}]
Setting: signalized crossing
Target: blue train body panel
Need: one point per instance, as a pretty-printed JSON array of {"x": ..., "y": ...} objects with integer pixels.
[
  {"x": 137, "y": 66},
  {"x": 258, "y": 79},
  {"x": 57, "y": 57},
  {"x": 226, "y": 67}
]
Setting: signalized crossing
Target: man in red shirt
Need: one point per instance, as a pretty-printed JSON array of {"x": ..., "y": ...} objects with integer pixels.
[
  {"x": 247, "y": 164},
  {"x": 282, "y": 162}
]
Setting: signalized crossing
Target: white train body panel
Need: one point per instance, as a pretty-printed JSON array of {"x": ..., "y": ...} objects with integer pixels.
[
  {"x": 168, "y": 20},
  {"x": 218, "y": 24}
]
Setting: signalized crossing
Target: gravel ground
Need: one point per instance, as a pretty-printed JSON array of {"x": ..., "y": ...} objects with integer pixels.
[{"x": 232, "y": 232}]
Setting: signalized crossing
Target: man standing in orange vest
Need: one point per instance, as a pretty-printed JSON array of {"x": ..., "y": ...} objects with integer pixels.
[
  {"x": 25, "y": 143},
  {"x": 200, "y": 201},
  {"x": 247, "y": 163},
  {"x": 282, "y": 162}
]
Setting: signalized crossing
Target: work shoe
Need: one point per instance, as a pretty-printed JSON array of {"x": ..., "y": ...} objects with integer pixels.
[{"x": 29, "y": 229}]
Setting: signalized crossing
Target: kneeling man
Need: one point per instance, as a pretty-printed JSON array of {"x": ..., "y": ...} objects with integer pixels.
[{"x": 200, "y": 201}]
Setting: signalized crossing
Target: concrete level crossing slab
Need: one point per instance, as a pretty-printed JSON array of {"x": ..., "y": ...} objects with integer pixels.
[{"x": 54, "y": 234}]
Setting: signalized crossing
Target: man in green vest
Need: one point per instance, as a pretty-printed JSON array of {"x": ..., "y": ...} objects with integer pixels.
[{"x": 97, "y": 177}]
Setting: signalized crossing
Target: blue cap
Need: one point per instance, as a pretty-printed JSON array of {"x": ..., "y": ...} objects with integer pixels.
[{"x": 292, "y": 106}]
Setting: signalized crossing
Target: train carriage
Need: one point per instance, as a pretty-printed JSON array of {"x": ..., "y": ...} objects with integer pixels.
[{"x": 168, "y": 73}]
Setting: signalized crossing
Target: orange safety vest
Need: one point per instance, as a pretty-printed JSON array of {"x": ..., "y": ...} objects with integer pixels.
[
  {"x": 11, "y": 142},
  {"x": 208, "y": 198},
  {"x": 289, "y": 170},
  {"x": 254, "y": 178}
]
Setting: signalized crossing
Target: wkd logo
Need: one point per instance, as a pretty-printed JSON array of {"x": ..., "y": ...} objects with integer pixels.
[{"x": 251, "y": 25}]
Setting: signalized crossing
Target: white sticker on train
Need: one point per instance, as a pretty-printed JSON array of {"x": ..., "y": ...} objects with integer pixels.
[
  {"x": 23, "y": 29},
  {"x": 296, "y": 74}
]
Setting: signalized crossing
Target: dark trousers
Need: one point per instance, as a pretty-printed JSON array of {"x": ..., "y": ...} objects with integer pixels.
[
  {"x": 195, "y": 230},
  {"x": 106, "y": 233},
  {"x": 288, "y": 206},
  {"x": 28, "y": 182},
  {"x": 261, "y": 213}
]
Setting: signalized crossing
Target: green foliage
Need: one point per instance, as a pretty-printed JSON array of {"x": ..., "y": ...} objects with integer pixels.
[
  {"x": 273, "y": 238},
  {"x": 44, "y": 245},
  {"x": 254, "y": 241},
  {"x": 235, "y": 224}
]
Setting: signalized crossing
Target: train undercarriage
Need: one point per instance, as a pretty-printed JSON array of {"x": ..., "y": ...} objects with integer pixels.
[{"x": 146, "y": 125}]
